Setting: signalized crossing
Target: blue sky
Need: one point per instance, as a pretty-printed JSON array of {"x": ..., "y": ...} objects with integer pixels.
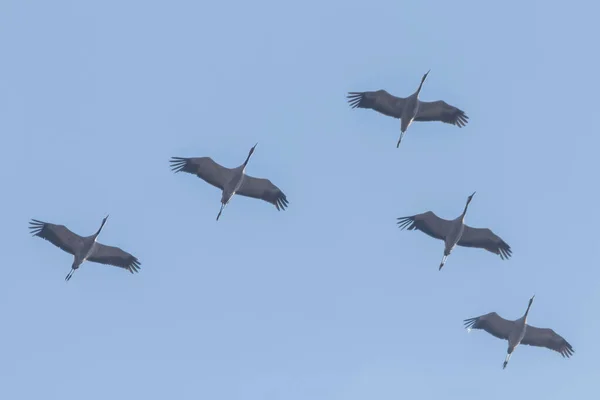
[{"x": 329, "y": 299}]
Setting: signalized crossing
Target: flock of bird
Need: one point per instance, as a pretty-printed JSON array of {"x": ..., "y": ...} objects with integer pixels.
[{"x": 232, "y": 181}]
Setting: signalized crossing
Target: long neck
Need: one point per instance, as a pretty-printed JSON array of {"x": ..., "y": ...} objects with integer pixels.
[
  {"x": 462, "y": 216},
  {"x": 420, "y": 86},
  {"x": 99, "y": 229},
  {"x": 527, "y": 311},
  {"x": 247, "y": 159}
]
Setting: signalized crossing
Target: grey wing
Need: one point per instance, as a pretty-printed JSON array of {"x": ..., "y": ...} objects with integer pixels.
[
  {"x": 544, "y": 337},
  {"x": 263, "y": 189},
  {"x": 484, "y": 238},
  {"x": 441, "y": 111},
  {"x": 58, "y": 235},
  {"x": 492, "y": 323},
  {"x": 380, "y": 101},
  {"x": 114, "y": 256},
  {"x": 204, "y": 167},
  {"x": 428, "y": 223}
]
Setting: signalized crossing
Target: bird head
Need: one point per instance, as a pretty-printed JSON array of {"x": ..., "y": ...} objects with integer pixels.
[
  {"x": 529, "y": 305},
  {"x": 425, "y": 76},
  {"x": 102, "y": 225},
  {"x": 471, "y": 197},
  {"x": 250, "y": 154},
  {"x": 253, "y": 147}
]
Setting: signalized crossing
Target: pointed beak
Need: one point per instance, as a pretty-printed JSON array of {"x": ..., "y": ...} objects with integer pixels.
[{"x": 255, "y": 145}]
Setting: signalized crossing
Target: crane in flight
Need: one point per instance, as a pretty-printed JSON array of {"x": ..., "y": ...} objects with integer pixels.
[
  {"x": 231, "y": 181},
  {"x": 408, "y": 109},
  {"x": 84, "y": 248},
  {"x": 455, "y": 233},
  {"x": 519, "y": 332}
]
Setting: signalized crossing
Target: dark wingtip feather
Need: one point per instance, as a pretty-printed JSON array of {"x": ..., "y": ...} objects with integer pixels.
[
  {"x": 504, "y": 251},
  {"x": 567, "y": 350},
  {"x": 281, "y": 202},
  {"x": 470, "y": 322},
  {"x": 36, "y": 226},
  {"x": 134, "y": 265},
  {"x": 177, "y": 163},
  {"x": 406, "y": 223},
  {"x": 461, "y": 119},
  {"x": 354, "y": 98}
]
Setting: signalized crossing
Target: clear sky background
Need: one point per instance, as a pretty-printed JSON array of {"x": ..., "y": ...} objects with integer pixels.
[{"x": 328, "y": 299}]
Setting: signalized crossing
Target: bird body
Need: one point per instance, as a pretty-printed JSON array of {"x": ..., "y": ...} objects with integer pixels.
[
  {"x": 84, "y": 248},
  {"x": 519, "y": 332},
  {"x": 455, "y": 233},
  {"x": 408, "y": 109},
  {"x": 87, "y": 248},
  {"x": 231, "y": 181},
  {"x": 233, "y": 184},
  {"x": 457, "y": 229}
]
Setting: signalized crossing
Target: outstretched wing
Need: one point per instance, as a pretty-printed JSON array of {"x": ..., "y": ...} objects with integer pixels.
[
  {"x": 263, "y": 189},
  {"x": 492, "y": 323},
  {"x": 380, "y": 101},
  {"x": 428, "y": 223},
  {"x": 441, "y": 111},
  {"x": 205, "y": 167},
  {"x": 484, "y": 238},
  {"x": 58, "y": 235},
  {"x": 110, "y": 255},
  {"x": 544, "y": 337}
]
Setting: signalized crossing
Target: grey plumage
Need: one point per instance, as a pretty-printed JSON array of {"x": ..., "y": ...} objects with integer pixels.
[
  {"x": 456, "y": 233},
  {"x": 408, "y": 109},
  {"x": 231, "y": 181},
  {"x": 84, "y": 248},
  {"x": 519, "y": 332}
]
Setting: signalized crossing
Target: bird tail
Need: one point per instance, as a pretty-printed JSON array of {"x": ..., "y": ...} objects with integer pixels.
[{"x": 506, "y": 360}]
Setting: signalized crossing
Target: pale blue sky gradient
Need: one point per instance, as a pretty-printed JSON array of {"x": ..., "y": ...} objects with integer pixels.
[{"x": 328, "y": 299}]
